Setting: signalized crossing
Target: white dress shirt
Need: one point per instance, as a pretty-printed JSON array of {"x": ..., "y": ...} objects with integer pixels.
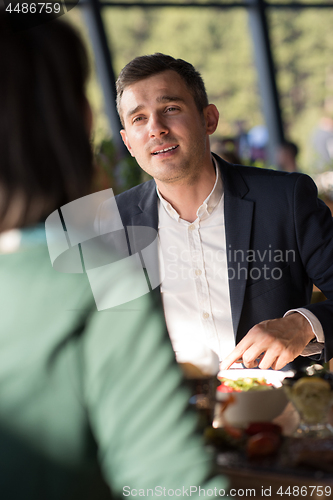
[{"x": 195, "y": 289}]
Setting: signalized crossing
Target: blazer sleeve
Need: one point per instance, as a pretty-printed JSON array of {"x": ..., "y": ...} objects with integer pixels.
[{"x": 314, "y": 233}]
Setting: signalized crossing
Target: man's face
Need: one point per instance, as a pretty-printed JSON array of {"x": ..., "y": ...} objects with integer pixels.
[{"x": 163, "y": 128}]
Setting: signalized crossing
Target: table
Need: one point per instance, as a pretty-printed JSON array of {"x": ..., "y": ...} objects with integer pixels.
[{"x": 267, "y": 480}]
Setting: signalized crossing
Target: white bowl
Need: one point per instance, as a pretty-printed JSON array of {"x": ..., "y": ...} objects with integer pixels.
[{"x": 252, "y": 406}]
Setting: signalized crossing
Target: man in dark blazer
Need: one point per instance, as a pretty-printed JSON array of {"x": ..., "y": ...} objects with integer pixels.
[{"x": 278, "y": 235}]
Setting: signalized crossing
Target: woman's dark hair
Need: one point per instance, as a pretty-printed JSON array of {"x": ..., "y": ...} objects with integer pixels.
[
  {"x": 45, "y": 154},
  {"x": 145, "y": 66}
]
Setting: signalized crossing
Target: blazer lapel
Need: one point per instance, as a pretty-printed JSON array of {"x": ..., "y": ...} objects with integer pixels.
[
  {"x": 142, "y": 233},
  {"x": 238, "y": 214},
  {"x": 146, "y": 214}
]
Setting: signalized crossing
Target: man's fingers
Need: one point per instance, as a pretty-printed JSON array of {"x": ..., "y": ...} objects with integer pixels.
[
  {"x": 252, "y": 356},
  {"x": 276, "y": 360},
  {"x": 234, "y": 357},
  {"x": 281, "y": 340},
  {"x": 237, "y": 355},
  {"x": 283, "y": 360},
  {"x": 269, "y": 360}
]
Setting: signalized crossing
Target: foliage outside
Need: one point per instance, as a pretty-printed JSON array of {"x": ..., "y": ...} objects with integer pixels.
[{"x": 218, "y": 43}]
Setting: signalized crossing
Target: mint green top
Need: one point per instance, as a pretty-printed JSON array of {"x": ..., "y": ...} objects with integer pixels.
[{"x": 81, "y": 389}]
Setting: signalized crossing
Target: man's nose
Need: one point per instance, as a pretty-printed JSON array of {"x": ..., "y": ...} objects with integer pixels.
[{"x": 157, "y": 126}]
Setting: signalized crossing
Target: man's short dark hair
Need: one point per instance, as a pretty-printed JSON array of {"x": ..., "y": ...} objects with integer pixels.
[{"x": 145, "y": 66}]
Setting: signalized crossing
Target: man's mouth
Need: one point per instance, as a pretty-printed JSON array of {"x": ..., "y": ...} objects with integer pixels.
[{"x": 166, "y": 150}]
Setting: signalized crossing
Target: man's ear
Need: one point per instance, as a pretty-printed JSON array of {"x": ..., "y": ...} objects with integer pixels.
[
  {"x": 211, "y": 115},
  {"x": 126, "y": 141}
]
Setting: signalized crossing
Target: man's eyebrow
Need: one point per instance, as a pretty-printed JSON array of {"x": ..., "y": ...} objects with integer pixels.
[
  {"x": 132, "y": 112},
  {"x": 170, "y": 98}
]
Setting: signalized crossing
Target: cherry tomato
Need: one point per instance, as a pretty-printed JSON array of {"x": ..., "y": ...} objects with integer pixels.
[
  {"x": 226, "y": 388},
  {"x": 263, "y": 444}
]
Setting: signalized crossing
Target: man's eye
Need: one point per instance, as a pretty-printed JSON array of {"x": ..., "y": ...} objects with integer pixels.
[
  {"x": 171, "y": 108},
  {"x": 137, "y": 119}
]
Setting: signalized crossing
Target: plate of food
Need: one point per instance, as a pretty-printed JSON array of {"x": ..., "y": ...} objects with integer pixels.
[{"x": 246, "y": 395}]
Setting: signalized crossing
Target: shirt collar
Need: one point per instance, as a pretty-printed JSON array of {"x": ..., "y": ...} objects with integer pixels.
[{"x": 209, "y": 204}]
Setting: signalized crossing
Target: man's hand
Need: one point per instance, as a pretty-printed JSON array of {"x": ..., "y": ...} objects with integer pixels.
[{"x": 276, "y": 341}]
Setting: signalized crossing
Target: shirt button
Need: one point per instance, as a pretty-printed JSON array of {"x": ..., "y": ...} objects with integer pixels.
[
  {"x": 205, "y": 315},
  {"x": 191, "y": 227},
  {"x": 198, "y": 272}
]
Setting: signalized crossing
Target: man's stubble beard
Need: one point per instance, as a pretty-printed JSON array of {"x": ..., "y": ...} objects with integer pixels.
[{"x": 187, "y": 173}]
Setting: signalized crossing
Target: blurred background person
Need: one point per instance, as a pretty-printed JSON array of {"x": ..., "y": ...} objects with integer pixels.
[
  {"x": 322, "y": 139},
  {"x": 227, "y": 149},
  {"x": 85, "y": 395},
  {"x": 258, "y": 143},
  {"x": 286, "y": 157}
]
